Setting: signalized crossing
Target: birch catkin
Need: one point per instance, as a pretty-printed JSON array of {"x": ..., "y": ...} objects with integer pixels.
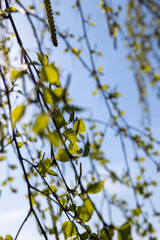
[{"x": 52, "y": 28}]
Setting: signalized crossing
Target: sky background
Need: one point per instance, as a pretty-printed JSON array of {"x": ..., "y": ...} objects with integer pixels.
[{"x": 13, "y": 207}]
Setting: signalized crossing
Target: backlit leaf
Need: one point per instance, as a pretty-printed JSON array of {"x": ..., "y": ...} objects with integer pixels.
[
  {"x": 59, "y": 119},
  {"x": 100, "y": 69},
  {"x": 84, "y": 236},
  {"x": 40, "y": 124},
  {"x": 73, "y": 147},
  {"x": 43, "y": 59},
  {"x": 69, "y": 229},
  {"x": 86, "y": 148},
  {"x": 106, "y": 234},
  {"x": 44, "y": 167},
  {"x": 85, "y": 212},
  {"x": 69, "y": 108},
  {"x": 8, "y": 237},
  {"x": 59, "y": 92},
  {"x": 20, "y": 144},
  {"x": 62, "y": 155},
  {"x": 49, "y": 73},
  {"x": 17, "y": 113},
  {"x": 2, "y": 158},
  {"x": 105, "y": 87},
  {"x": 15, "y": 74},
  {"x": 10, "y": 10},
  {"x": 79, "y": 126},
  {"x": 54, "y": 138},
  {"x": 76, "y": 51},
  {"x": 124, "y": 232},
  {"x": 48, "y": 96},
  {"x": 95, "y": 187},
  {"x": 71, "y": 117},
  {"x": 70, "y": 135}
]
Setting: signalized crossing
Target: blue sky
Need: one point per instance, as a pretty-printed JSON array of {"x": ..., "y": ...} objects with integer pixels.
[{"x": 116, "y": 74}]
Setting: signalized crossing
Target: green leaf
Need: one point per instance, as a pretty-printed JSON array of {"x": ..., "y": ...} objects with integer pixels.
[
  {"x": 59, "y": 119},
  {"x": 62, "y": 155},
  {"x": 13, "y": 166},
  {"x": 106, "y": 234},
  {"x": 19, "y": 91},
  {"x": 40, "y": 124},
  {"x": 85, "y": 212},
  {"x": 20, "y": 144},
  {"x": 73, "y": 147},
  {"x": 95, "y": 187},
  {"x": 10, "y": 10},
  {"x": 10, "y": 179},
  {"x": 79, "y": 126},
  {"x": 124, "y": 232},
  {"x": 49, "y": 73},
  {"x": 15, "y": 74},
  {"x": 43, "y": 59},
  {"x": 17, "y": 113},
  {"x": 31, "y": 7},
  {"x": 44, "y": 167},
  {"x": 69, "y": 108},
  {"x": 14, "y": 190},
  {"x": 2, "y": 158},
  {"x": 54, "y": 138},
  {"x": 4, "y": 183},
  {"x": 84, "y": 236},
  {"x": 59, "y": 92},
  {"x": 71, "y": 117},
  {"x": 70, "y": 135},
  {"x": 86, "y": 148},
  {"x": 69, "y": 229},
  {"x": 48, "y": 96},
  {"x": 8, "y": 237}
]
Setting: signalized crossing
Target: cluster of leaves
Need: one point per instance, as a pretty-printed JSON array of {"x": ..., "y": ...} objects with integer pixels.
[
  {"x": 48, "y": 133},
  {"x": 143, "y": 43}
]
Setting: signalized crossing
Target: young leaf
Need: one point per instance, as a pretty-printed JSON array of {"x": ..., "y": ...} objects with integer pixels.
[
  {"x": 86, "y": 148},
  {"x": 8, "y": 237},
  {"x": 17, "y": 113},
  {"x": 95, "y": 187},
  {"x": 10, "y": 10},
  {"x": 70, "y": 135},
  {"x": 20, "y": 144},
  {"x": 69, "y": 108},
  {"x": 71, "y": 117},
  {"x": 44, "y": 167},
  {"x": 40, "y": 124},
  {"x": 69, "y": 229},
  {"x": 62, "y": 155},
  {"x": 79, "y": 126},
  {"x": 2, "y": 158},
  {"x": 84, "y": 236},
  {"x": 59, "y": 92},
  {"x": 73, "y": 147},
  {"x": 85, "y": 212},
  {"x": 48, "y": 96},
  {"x": 54, "y": 138},
  {"x": 124, "y": 232},
  {"x": 42, "y": 59},
  {"x": 59, "y": 119},
  {"x": 49, "y": 73},
  {"x": 15, "y": 74},
  {"x": 106, "y": 234}
]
